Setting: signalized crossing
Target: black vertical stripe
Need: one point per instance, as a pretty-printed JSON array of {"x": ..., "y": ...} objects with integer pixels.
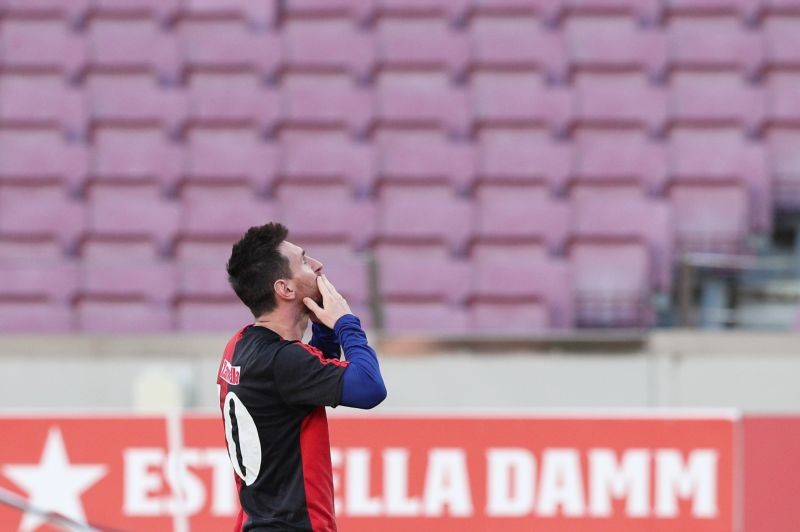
[{"x": 235, "y": 435}]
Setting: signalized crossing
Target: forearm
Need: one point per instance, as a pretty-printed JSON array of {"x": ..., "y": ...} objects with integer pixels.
[
  {"x": 363, "y": 385},
  {"x": 325, "y": 340}
]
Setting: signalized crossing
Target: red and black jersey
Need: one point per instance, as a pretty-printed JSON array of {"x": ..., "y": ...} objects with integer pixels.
[{"x": 273, "y": 395}]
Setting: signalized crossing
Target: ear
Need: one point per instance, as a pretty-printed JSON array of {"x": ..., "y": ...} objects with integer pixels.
[{"x": 284, "y": 289}]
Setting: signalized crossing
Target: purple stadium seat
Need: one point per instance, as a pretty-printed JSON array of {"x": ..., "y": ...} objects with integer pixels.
[
  {"x": 212, "y": 316},
  {"x": 783, "y": 103},
  {"x": 134, "y": 100},
  {"x": 420, "y": 99},
  {"x": 126, "y": 270},
  {"x": 614, "y": 43},
  {"x": 360, "y": 10},
  {"x": 232, "y": 99},
  {"x": 41, "y": 212},
  {"x": 124, "y": 155},
  {"x": 132, "y": 45},
  {"x": 327, "y": 45},
  {"x": 342, "y": 219},
  {"x": 228, "y": 45},
  {"x": 25, "y": 280},
  {"x": 508, "y": 317},
  {"x": 426, "y": 157},
  {"x": 520, "y": 213},
  {"x": 785, "y": 166},
  {"x": 41, "y": 45},
  {"x": 620, "y": 100},
  {"x": 743, "y": 8},
  {"x": 215, "y": 212},
  {"x": 786, "y": 7},
  {"x": 548, "y": 10},
  {"x": 326, "y": 158},
  {"x": 42, "y": 101},
  {"x": 200, "y": 267},
  {"x": 411, "y": 318},
  {"x": 711, "y": 218},
  {"x": 714, "y": 43},
  {"x": 518, "y": 99},
  {"x": 695, "y": 100},
  {"x": 230, "y": 156},
  {"x": 72, "y": 11},
  {"x": 782, "y": 35},
  {"x": 516, "y": 43},
  {"x": 162, "y": 11},
  {"x": 644, "y": 9},
  {"x": 22, "y": 160},
  {"x": 421, "y": 44},
  {"x": 347, "y": 270},
  {"x": 423, "y": 214},
  {"x": 420, "y": 273},
  {"x": 615, "y": 157},
  {"x": 135, "y": 211},
  {"x": 35, "y": 317},
  {"x": 611, "y": 283},
  {"x": 324, "y": 101},
  {"x": 112, "y": 316},
  {"x": 259, "y": 13},
  {"x": 523, "y": 156}
]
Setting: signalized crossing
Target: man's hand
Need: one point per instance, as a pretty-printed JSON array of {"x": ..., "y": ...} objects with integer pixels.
[{"x": 334, "y": 306}]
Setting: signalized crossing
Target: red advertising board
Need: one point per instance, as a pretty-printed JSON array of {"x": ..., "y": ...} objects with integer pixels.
[{"x": 392, "y": 473}]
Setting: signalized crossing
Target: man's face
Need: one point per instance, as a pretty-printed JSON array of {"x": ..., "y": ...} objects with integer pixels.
[{"x": 305, "y": 271}]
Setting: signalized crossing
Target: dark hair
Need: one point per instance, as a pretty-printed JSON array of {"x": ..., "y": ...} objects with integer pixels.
[{"x": 256, "y": 264}]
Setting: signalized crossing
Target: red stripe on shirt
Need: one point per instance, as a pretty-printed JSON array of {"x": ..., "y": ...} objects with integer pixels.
[
  {"x": 317, "y": 353},
  {"x": 315, "y": 453}
]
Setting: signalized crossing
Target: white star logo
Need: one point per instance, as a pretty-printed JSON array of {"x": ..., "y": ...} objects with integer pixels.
[{"x": 54, "y": 484}]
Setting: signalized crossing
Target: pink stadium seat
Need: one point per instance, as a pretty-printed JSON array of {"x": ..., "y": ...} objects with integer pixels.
[
  {"x": 332, "y": 214},
  {"x": 614, "y": 43},
  {"x": 523, "y": 156},
  {"x": 258, "y": 13},
  {"x": 120, "y": 317},
  {"x": 126, "y": 270},
  {"x": 786, "y": 7},
  {"x": 327, "y": 45},
  {"x": 549, "y": 10},
  {"x": 518, "y": 99},
  {"x": 423, "y": 214},
  {"x": 647, "y": 10},
  {"x": 508, "y": 317},
  {"x": 520, "y": 213},
  {"x": 212, "y": 316},
  {"x": 24, "y": 280},
  {"x": 135, "y": 100},
  {"x": 785, "y": 166},
  {"x": 516, "y": 43},
  {"x": 35, "y": 317},
  {"x": 360, "y": 10},
  {"x": 132, "y": 45},
  {"x": 619, "y": 100},
  {"x": 227, "y": 45},
  {"x": 162, "y": 11},
  {"x": 29, "y": 156},
  {"x": 782, "y": 35},
  {"x": 132, "y": 211},
  {"x": 43, "y": 212},
  {"x": 41, "y": 45},
  {"x": 783, "y": 103},
  {"x": 230, "y": 156},
  {"x": 200, "y": 268},
  {"x": 421, "y": 44},
  {"x": 711, "y": 218},
  {"x": 124, "y": 155},
  {"x": 426, "y": 157},
  {"x": 230, "y": 99},
  {"x": 72, "y": 11},
  {"x": 619, "y": 157},
  {"x": 742, "y": 8},
  {"x": 215, "y": 212},
  {"x": 417, "y": 8},
  {"x": 30, "y": 251},
  {"x": 409, "y": 318},
  {"x": 325, "y": 101},
  {"x": 420, "y": 273},
  {"x": 695, "y": 100},
  {"x": 327, "y": 158},
  {"x": 347, "y": 270},
  {"x": 611, "y": 284},
  {"x": 420, "y": 99},
  {"x": 714, "y": 43},
  {"x": 42, "y": 101}
]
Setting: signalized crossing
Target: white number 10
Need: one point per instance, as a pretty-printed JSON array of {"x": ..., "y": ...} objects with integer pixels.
[{"x": 244, "y": 447}]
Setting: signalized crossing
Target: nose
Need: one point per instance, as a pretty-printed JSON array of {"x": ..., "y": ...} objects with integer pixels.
[{"x": 315, "y": 265}]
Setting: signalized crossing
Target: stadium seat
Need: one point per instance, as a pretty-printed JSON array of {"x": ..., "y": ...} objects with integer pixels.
[
  {"x": 520, "y": 213},
  {"x": 361, "y": 11},
  {"x": 161, "y": 11},
  {"x": 782, "y": 7},
  {"x": 212, "y": 316},
  {"x": 420, "y": 99},
  {"x": 232, "y": 99},
  {"x": 426, "y": 157},
  {"x": 54, "y": 281},
  {"x": 421, "y": 44},
  {"x": 135, "y": 101},
  {"x": 743, "y": 8},
  {"x": 214, "y": 212},
  {"x": 516, "y": 43},
  {"x": 619, "y": 100},
  {"x": 327, "y": 45},
  {"x": 125, "y": 155},
  {"x": 35, "y": 317},
  {"x": 23, "y": 160},
  {"x": 518, "y": 99},
  {"x": 785, "y": 166},
  {"x": 132, "y": 211},
  {"x": 28, "y": 44},
  {"x": 41, "y": 212},
  {"x": 112, "y": 316},
  {"x": 423, "y": 214},
  {"x": 258, "y": 13},
  {"x": 645, "y": 10},
  {"x": 548, "y": 10},
  {"x": 782, "y": 35},
  {"x": 611, "y": 284},
  {"x": 325, "y": 101},
  {"x": 326, "y": 158},
  {"x": 710, "y": 218},
  {"x": 73, "y": 11},
  {"x": 420, "y": 273},
  {"x": 508, "y": 317},
  {"x": 614, "y": 157},
  {"x": 348, "y": 271},
  {"x": 409, "y": 318},
  {"x": 783, "y": 104},
  {"x": 132, "y": 45},
  {"x": 42, "y": 101},
  {"x": 230, "y": 156},
  {"x": 613, "y": 43},
  {"x": 523, "y": 156},
  {"x": 200, "y": 269}
]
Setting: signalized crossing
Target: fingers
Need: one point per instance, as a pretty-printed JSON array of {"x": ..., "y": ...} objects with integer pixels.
[
  {"x": 330, "y": 286},
  {"x": 312, "y": 305}
]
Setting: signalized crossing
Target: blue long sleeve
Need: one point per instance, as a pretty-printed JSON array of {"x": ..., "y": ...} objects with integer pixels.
[
  {"x": 325, "y": 340},
  {"x": 362, "y": 385}
]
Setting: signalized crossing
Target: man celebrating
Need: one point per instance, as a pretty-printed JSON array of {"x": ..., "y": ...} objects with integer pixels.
[{"x": 273, "y": 388}]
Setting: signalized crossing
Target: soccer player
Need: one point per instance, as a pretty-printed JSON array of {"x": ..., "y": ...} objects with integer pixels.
[{"x": 273, "y": 388}]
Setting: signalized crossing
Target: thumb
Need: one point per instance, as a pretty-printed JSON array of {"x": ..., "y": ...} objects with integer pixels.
[{"x": 312, "y": 305}]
